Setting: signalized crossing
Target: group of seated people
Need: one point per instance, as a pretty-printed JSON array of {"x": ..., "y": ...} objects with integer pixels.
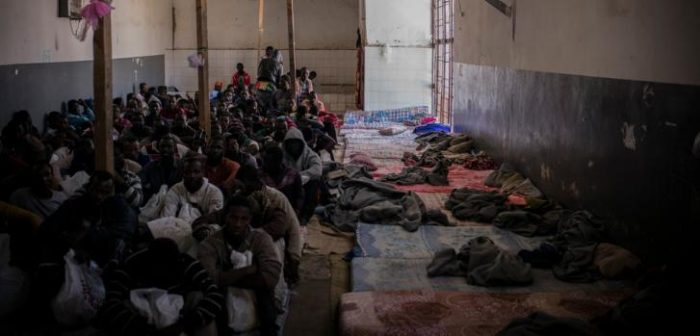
[{"x": 251, "y": 186}]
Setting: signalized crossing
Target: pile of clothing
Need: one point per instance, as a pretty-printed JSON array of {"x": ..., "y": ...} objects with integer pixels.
[
  {"x": 483, "y": 264},
  {"x": 479, "y": 161},
  {"x": 363, "y": 199},
  {"x": 576, "y": 254},
  {"x": 417, "y": 175},
  {"x": 511, "y": 182}
]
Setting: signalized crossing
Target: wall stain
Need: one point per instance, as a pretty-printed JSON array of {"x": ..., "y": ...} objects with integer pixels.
[
  {"x": 628, "y": 138},
  {"x": 545, "y": 172}
]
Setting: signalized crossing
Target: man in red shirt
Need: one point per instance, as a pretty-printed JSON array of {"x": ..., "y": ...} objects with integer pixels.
[
  {"x": 240, "y": 78},
  {"x": 219, "y": 170}
]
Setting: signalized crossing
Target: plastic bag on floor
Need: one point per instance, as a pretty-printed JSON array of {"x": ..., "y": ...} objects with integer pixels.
[
  {"x": 152, "y": 209},
  {"x": 157, "y": 306},
  {"x": 241, "y": 304},
  {"x": 241, "y": 307},
  {"x": 71, "y": 184},
  {"x": 188, "y": 213},
  {"x": 180, "y": 231},
  {"x": 81, "y": 295}
]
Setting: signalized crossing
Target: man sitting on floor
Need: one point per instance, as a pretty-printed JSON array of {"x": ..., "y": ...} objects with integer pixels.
[
  {"x": 302, "y": 158},
  {"x": 161, "y": 266},
  {"x": 195, "y": 191},
  {"x": 219, "y": 170},
  {"x": 262, "y": 276},
  {"x": 167, "y": 170}
]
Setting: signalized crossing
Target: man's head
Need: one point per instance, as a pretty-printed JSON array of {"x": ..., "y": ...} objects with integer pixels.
[
  {"x": 304, "y": 73},
  {"x": 75, "y": 107},
  {"x": 239, "y": 67},
  {"x": 238, "y": 215},
  {"x": 101, "y": 186},
  {"x": 294, "y": 147},
  {"x": 268, "y": 51},
  {"x": 248, "y": 177},
  {"x": 273, "y": 158},
  {"x": 228, "y": 96},
  {"x": 130, "y": 148},
  {"x": 215, "y": 152},
  {"x": 218, "y": 85},
  {"x": 56, "y": 120},
  {"x": 224, "y": 120},
  {"x": 162, "y": 90},
  {"x": 43, "y": 180},
  {"x": 143, "y": 88},
  {"x": 179, "y": 122},
  {"x": 166, "y": 147},
  {"x": 232, "y": 147},
  {"x": 193, "y": 172}
]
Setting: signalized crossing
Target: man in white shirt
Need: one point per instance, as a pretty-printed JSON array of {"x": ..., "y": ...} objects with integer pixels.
[{"x": 194, "y": 190}]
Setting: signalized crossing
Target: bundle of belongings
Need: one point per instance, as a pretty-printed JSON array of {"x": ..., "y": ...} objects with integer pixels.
[
  {"x": 511, "y": 182},
  {"x": 479, "y": 161},
  {"x": 363, "y": 199},
  {"x": 483, "y": 264},
  {"x": 392, "y": 130},
  {"x": 417, "y": 175},
  {"x": 576, "y": 253}
]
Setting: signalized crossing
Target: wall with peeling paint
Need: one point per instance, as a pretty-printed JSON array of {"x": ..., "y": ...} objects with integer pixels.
[
  {"x": 43, "y": 65},
  {"x": 646, "y": 40},
  {"x": 619, "y": 148},
  {"x": 536, "y": 90},
  {"x": 32, "y": 32}
]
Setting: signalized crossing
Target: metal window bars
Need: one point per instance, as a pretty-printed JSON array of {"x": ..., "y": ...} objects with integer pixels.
[{"x": 442, "y": 40}]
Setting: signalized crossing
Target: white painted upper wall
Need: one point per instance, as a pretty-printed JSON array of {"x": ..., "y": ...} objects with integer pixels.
[
  {"x": 233, "y": 24},
  {"x": 398, "y": 22},
  {"x": 647, "y": 40},
  {"x": 32, "y": 32},
  {"x": 398, "y": 56}
]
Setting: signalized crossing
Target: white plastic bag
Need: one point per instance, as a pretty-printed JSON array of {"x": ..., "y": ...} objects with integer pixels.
[
  {"x": 176, "y": 229},
  {"x": 157, "y": 306},
  {"x": 81, "y": 295},
  {"x": 188, "y": 213},
  {"x": 71, "y": 184},
  {"x": 241, "y": 303},
  {"x": 241, "y": 307},
  {"x": 153, "y": 207}
]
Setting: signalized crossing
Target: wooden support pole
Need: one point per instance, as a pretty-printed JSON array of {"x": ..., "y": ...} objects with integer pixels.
[
  {"x": 102, "y": 85},
  {"x": 261, "y": 24},
  {"x": 292, "y": 44},
  {"x": 203, "y": 50}
]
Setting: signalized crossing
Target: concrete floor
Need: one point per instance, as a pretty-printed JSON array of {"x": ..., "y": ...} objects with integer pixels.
[{"x": 310, "y": 308}]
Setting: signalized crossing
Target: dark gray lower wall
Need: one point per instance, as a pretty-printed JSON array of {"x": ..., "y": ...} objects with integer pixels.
[
  {"x": 41, "y": 88},
  {"x": 619, "y": 148}
]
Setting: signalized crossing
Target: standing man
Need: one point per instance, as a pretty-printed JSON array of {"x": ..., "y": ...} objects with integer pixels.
[{"x": 240, "y": 78}]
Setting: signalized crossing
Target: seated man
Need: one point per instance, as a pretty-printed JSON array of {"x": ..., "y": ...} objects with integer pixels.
[
  {"x": 262, "y": 276},
  {"x": 274, "y": 214},
  {"x": 161, "y": 266},
  {"x": 167, "y": 170},
  {"x": 234, "y": 153},
  {"x": 219, "y": 170},
  {"x": 194, "y": 190},
  {"x": 128, "y": 184},
  {"x": 299, "y": 156},
  {"x": 97, "y": 225},
  {"x": 278, "y": 175},
  {"x": 43, "y": 196}
]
